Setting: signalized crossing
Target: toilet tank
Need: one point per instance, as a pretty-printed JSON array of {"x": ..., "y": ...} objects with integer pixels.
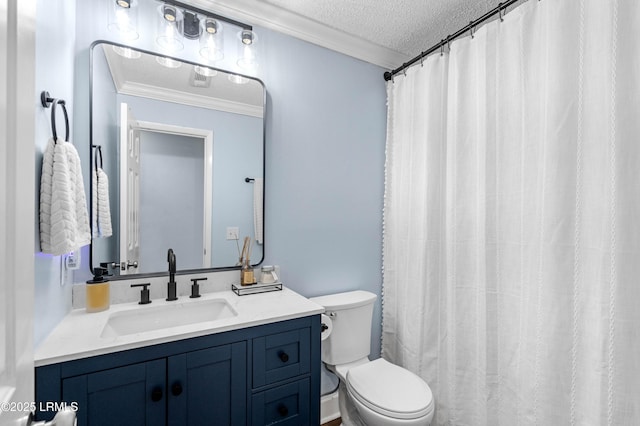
[{"x": 351, "y": 314}]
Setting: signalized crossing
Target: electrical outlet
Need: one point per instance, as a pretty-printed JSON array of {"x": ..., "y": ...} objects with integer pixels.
[
  {"x": 232, "y": 232},
  {"x": 72, "y": 261},
  {"x": 68, "y": 263}
]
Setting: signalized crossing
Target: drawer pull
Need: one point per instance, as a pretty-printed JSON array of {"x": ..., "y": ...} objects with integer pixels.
[
  {"x": 283, "y": 356},
  {"x": 156, "y": 394},
  {"x": 176, "y": 389},
  {"x": 283, "y": 410}
]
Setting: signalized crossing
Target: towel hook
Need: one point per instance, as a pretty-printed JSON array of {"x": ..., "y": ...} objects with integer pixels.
[{"x": 48, "y": 101}]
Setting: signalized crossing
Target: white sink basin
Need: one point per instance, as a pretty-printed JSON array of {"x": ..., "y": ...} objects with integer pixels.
[{"x": 149, "y": 318}]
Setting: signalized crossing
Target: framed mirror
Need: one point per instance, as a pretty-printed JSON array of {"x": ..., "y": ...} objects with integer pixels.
[{"x": 177, "y": 161}]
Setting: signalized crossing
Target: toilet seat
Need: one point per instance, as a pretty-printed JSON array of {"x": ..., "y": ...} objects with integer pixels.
[{"x": 390, "y": 390}]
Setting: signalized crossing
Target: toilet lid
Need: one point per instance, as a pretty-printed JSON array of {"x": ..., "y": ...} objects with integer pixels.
[{"x": 390, "y": 390}]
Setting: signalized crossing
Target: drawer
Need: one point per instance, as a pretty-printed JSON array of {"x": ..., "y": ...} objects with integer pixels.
[
  {"x": 281, "y": 356},
  {"x": 283, "y": 405}
]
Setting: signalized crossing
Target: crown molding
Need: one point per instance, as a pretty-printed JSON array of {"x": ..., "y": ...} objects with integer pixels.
[
  {"x": 169, "y": 95},
  {"x": 135, "y": 88},
  {"x": 286, "y": 22}
]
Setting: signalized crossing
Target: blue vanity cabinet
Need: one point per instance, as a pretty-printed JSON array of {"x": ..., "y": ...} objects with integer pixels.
[
  {"x": 133, "y": 394},
  {"x": 208, "y": 386},
  {"x": 281, "y": 365},
  {"x": 263, "y": 375}
]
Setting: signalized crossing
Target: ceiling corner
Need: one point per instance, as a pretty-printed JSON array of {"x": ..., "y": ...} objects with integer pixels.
[{"x": 286, "y": 22}]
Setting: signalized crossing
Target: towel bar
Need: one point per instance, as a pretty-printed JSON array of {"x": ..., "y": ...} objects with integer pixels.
[{"x": 46, "y": 100}]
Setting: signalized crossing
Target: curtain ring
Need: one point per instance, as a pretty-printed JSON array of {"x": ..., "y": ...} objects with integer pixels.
[
  {"x": 471, "y": 28},
  {"x": 404, "y": 71},
  {"x": 501, "y": 12},
  {"x": 442, "y": 47},
  {"x": 421, "y": 59}
]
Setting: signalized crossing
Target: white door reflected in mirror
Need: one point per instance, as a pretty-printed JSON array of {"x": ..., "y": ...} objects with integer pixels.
[{"x": 165, "y": 194}]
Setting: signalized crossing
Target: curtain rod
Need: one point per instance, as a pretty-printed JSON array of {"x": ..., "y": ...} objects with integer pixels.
[{"x": 469, "y": 27}]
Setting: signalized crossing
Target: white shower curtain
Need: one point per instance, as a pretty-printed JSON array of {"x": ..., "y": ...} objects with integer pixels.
[{"x": 512, "y": 219}]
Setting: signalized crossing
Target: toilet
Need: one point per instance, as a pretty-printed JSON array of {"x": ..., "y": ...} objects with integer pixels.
[{"x": 371, "y": 393}]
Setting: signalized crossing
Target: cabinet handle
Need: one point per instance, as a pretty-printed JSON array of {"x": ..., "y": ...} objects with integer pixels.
[
  {"x": 283, "y": 410},
  {"x": 156, "y": 394},
  {"x": 283, "y": 356},
  {"x": 176, "y": 389}
]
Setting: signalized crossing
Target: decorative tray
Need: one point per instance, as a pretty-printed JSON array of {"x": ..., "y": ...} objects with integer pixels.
[{"x": 255, "y": 288}]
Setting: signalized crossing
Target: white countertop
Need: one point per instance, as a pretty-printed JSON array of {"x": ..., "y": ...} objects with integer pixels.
[{"x": 78, "y": 334}]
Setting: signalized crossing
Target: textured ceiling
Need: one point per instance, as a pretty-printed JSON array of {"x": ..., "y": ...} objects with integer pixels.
[
  {"x": 406, "y": 26},
  {"x": 382, "y": 32}
]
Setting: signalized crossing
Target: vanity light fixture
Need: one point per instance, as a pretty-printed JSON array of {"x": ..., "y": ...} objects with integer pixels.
[
  {"x": 191, "y": 25},
  {"x": 247, "y": 36},
  {"x": 177, "y": 21},
  {"x": 123, "y": 18},
  {"x": 211, "y": 37},
  {"x": 211, "y": 40},
  {"x": 169, "y": 13},
  {"x": 169, "y": 28},
  {"x": 211, "y": 26},
  {"x": 247, "y": 54}
]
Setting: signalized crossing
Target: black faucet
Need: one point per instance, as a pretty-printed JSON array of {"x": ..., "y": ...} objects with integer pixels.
[{"x": 171, "y": 285}]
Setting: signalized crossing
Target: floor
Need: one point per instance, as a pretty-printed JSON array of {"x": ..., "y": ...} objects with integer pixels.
[{"x": 335, "y": 422}]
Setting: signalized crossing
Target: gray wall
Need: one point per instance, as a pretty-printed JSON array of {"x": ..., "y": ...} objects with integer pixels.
[{"x": 324, "y": 158}]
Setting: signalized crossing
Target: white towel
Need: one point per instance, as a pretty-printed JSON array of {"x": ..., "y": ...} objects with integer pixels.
[
  {"x": 258, "y": 194},
  {"x": 64, "y": 221},
  {"x": 100, "y": 205}
]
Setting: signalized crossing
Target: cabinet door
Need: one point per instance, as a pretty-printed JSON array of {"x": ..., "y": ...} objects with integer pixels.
[
  {"x": 131, "y": 395},
  {"x": 281, "y": 356},
  {"x": 208, "y": 386},
  {"x": 286, "y": 405}
]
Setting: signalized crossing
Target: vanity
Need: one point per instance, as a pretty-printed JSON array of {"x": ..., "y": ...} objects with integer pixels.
[
  {"x": 221, "y": 359},
  {"x": 254, "y": 361}
]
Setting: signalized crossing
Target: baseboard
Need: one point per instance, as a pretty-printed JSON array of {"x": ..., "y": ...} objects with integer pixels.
[{"x": 329, "y": 408}]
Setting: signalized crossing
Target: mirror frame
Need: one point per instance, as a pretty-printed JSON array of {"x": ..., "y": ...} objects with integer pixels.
[{"x": 91, "y": 165}]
